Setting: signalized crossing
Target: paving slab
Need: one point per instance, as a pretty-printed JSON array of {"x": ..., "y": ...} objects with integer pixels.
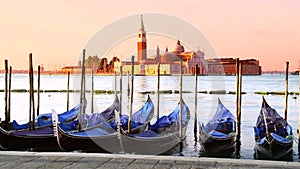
[
  {"x": 16, "y": 161},
  {"x": 68, "y": 160},
  {"x": 143, "y": 163},
  {"x": 164, "y": 164},
  {"x": 117, "y": 163}
]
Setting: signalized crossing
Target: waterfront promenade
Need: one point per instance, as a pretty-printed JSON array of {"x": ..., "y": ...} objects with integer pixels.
[{"x": 64, "y": 160}]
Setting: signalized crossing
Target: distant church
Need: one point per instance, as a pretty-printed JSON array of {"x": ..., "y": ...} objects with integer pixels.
[{"x": 169, "y": 61}]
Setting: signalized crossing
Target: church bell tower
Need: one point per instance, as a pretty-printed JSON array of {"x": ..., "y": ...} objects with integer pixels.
[{"x": 142, "y": 43}]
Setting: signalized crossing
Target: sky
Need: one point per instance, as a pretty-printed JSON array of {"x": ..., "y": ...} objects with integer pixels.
[{"x": 56, "y": 31}]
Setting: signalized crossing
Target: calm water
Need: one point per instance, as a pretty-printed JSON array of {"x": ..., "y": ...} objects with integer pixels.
[{"x": 206, "y": 106}]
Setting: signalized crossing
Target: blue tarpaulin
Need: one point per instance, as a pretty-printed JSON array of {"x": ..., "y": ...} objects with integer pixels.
[
  {"x": 222, "y": 116},
  {"x": 166, "y": 121},
  {"x": 46, "y": 119}
]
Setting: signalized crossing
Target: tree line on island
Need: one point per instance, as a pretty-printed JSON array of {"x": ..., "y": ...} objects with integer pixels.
[{"x": 100, "y": 65}]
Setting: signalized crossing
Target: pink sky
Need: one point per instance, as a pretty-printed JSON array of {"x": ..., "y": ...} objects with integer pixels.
[{"x": 56, "y": 31}]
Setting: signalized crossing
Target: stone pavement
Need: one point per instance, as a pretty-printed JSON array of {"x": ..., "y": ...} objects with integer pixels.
[{"x": 58, "y": 160}]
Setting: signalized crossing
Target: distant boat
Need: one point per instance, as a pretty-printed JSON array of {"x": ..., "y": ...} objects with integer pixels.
[
  {"x": 218, "y": 136},
  {"x": 296, "y": 72},
  {"x": 273, "y": 135}
]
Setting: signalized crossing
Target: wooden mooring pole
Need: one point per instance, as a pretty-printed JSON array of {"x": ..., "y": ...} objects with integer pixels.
[
  {"x": 180, "y": 115},
  {"x": 131, "y": 94},
  {"x": 299, "y": 114},
  {"x": 82, "y": 91},
  {"x": 158, "y": 88},
  {"x": 31, "y": 93},
  {"x": 196, "y": 100},
  {"x": 238, "y": 106},
  {"x": 9, "y": 94},
  {"x": 29, "y": 74},
  {"x": 68, "y": 91},
  {"x": 121, "y": 87},
  {"x": 6, "y": 93},
  {"x": 115, "y": 80},
  {"x": 237, "y": 90},
  {"x": 286, "y": 90},
  {"x": 38, "y": 91},
  {"x": 128, "y": 85},
  {"x": 92, "y": 97}
]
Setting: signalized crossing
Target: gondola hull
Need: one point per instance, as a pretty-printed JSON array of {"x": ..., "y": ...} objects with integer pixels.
[
  {"x": 214, "y": 146},
  {"x": 69, "y": 142},
  {"x": 274, "y": 150},
  {"x": 91, "y": 140},
  {"x": 148, "y": 145},
  {"x": 120, "y": 143},
  {"x": 12, "y": 141}
]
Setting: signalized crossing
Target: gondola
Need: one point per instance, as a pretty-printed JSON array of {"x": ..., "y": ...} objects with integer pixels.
[
  {"x": 273, "y": 135},
  {"x": 218, "y": 136},
  {"x": 160, "y": 137},
  {"x": 103, "y": 137},
  {"x": 40, "y": 138}
]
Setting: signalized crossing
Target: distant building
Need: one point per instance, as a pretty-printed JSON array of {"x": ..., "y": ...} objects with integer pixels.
[
  {"x": 74, "y": 70},
  {"x": 169, "y": 61},
  {"x": 227, "y": 66}
]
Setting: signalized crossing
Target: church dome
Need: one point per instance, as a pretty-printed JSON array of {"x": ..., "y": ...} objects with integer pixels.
[{"x": 178, "y": 48}]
